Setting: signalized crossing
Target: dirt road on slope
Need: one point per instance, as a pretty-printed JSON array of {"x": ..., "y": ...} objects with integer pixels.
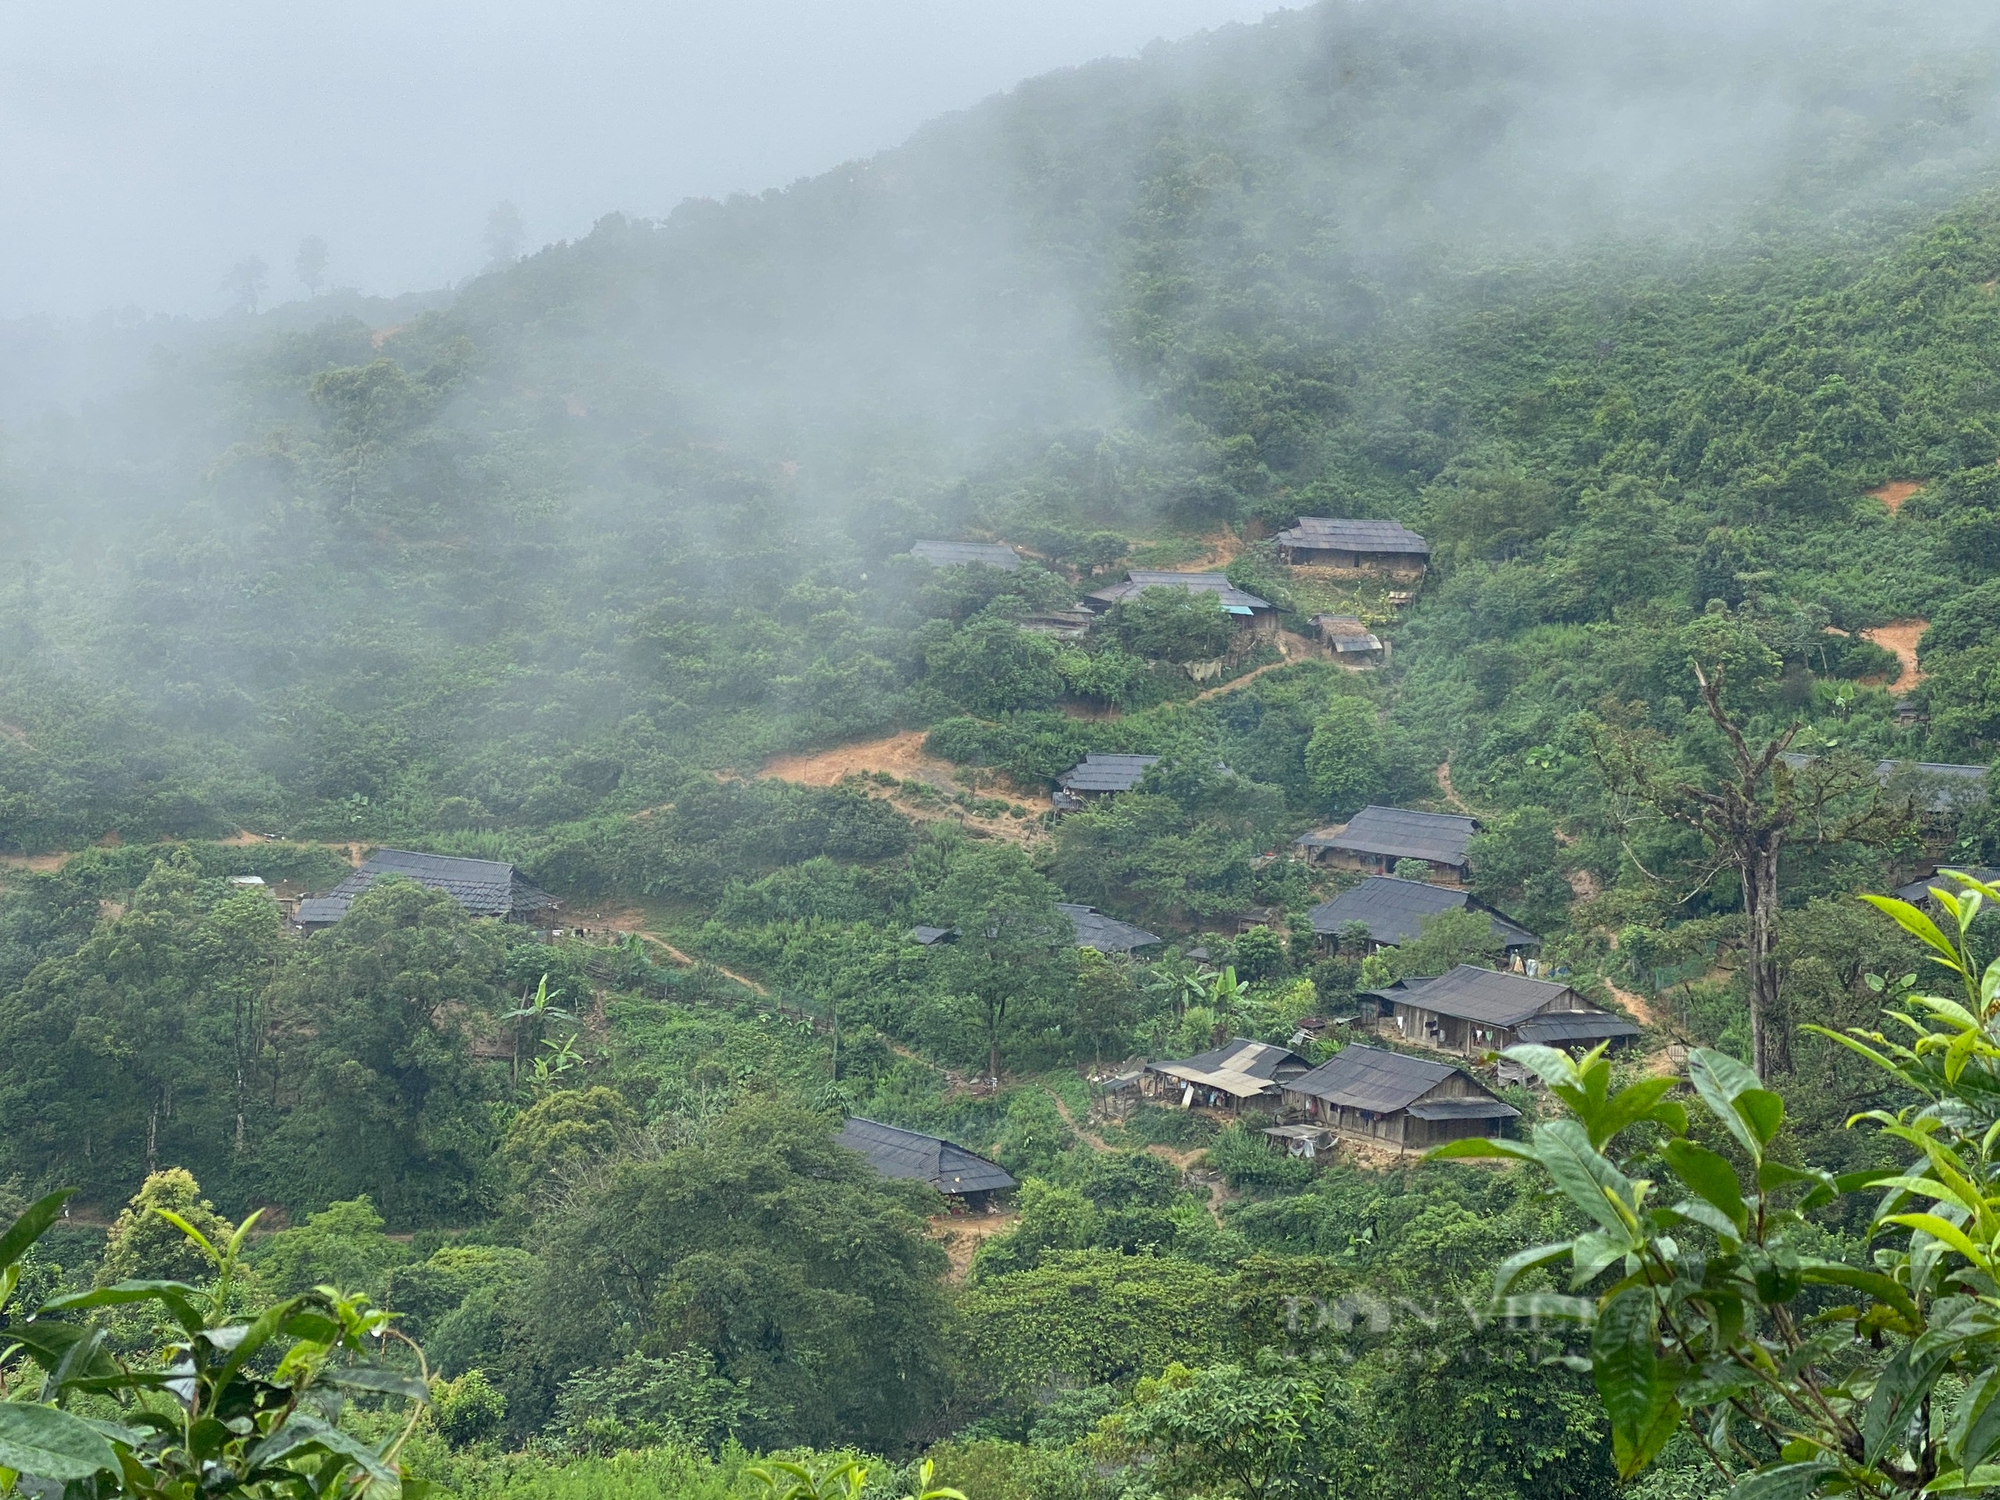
[
  {"x": 1895, "y": 492},
  {"x": 902, "y": 756},
  {"x": 1901, "y": 637}
]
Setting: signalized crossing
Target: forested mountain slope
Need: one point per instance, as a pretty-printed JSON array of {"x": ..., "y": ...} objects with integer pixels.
[{"x": 1643, "y": 321}]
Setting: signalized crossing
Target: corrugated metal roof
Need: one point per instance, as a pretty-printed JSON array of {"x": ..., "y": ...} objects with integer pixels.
[
  {"x": 1400, "y": 833},
  {"x": 911, "y": 1156},
  {"x": 1361, "y": 1077},
  {"x": 1394, "y": 911},
  {"x": 484, "y": 887},
  {"x": 1336, "y": 534},
  {"x": 1239, "y": 1067},
  {"x": 1464, "y": 1109},
  {"x": 1490, "y": 996},
  {"x": 1137, "y": 582},
  {"x": 962, "y": 554},
  {"x": 1105, "y": 934},
  {"x": 1106, "y": 773}
]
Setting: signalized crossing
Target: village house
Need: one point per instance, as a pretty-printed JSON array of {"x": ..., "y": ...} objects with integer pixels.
[
  {"x": 1378, "y": 546},
  {"x": 911, "y": 1156},
  {"x": 1093, "y": 929},
  {"x": 1352, "y": 643},
  {"x": 1061, "y": 624},
  {"x": 1384, "y": 1098},
  {"x": 1918, "y": 891},
  {"x": 1257, "y": 616},
  {"x": 1229, "y": 1077},
  {"x": 1099, "y": 776},
  {"x": 484, "y": 887},
  {"x": 1377, "y": 838},
  {"x": 1472, "y": 1011},
  {"x": 966, "y": 554},
  {"x": 1394, "y": 912},
  {"x": 1107, "y": 935}
]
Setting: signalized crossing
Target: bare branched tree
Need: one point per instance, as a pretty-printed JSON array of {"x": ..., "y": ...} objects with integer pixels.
[{"x": 1764, "y": 802}]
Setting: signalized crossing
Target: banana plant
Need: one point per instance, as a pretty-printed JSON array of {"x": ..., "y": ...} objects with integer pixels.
[
  {"x": 1796, "y": 1375},
  {"x": 230, "y": 1407}
]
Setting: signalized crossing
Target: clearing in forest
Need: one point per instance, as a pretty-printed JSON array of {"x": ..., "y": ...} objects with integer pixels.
[
  {"x": 1895, "y": 492},
  {"x": 902, "y": 756},
  {"x": 1901, "y": 637}
]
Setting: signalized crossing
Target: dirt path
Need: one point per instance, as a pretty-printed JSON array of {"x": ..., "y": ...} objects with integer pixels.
[
  {"x": 1901, "y": 637},
  {"x": 1218, "y": 1192},
  {"x": 686, "y": 962},
  {"x": 1896, "y": 491},
  {"x": 1292, "y": 649},
  {"x": 963, "y": 1234},
  {"x": 40, "y": 864},
  {"x": 1451, "y": 792}
]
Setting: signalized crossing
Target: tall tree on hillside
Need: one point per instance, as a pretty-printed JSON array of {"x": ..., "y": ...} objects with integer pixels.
[
  {"x": 1747, "y": 812},
  {"x": 1015, "y": 952}
]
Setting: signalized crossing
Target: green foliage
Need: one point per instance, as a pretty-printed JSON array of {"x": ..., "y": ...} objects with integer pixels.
[
  {"x": 341, "y": 1245},
  {"x": 1168, "y": 624},
  {"x": 1344, "y": 758},
  {"x": 468, "y": 1410},
  {"x": 257, "y": 1398},
  {"x": 646, "y": 1403},
  {"x": 1247, "y": 1160},
  {"x": 1088, "y": 1317},
  {"x": 760, "y": 1241}
]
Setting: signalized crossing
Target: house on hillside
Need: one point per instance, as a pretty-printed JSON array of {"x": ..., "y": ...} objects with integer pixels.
[
  {"x": 1099, "y": 776},
  {"x": 484, "y": 887},
  {"x": 966, "y": 554},
  {"x": 1377, "y": 546},
  {"x": 1472, "y": 1011},
  {"x": 1387, "y": 1099},
  {"x": 1377, "y": 837},
  {"x": 1394, "y": 912},
  {"x": 1918, "y": 891},
  {"x": 911, "y": 1156},
  {"x": 1352, "y": 643},
  {"x": 1258, "y": 616},
  {"x": 1107, "y": 935},
  {"x": 930, "y": 937},
  {"x": 1229, "y": 1077}
]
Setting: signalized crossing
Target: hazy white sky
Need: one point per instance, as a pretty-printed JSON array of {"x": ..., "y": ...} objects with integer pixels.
[{"x": 147, "y": 145}]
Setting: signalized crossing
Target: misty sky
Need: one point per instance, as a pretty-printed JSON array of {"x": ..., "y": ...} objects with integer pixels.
[{"x": 150, "y": 144}]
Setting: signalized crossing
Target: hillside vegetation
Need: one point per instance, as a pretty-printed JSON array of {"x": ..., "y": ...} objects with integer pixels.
[{"x": 1678, "y": 341}]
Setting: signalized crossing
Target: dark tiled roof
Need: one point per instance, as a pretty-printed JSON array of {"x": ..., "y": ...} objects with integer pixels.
[
  {"x": 912, "y": 1156},
  {"x": 930, "y": 935},
  {"x": 1489, "y": 996},
  {"x": 1371, "y": 1078},
  {"x": 1240, "y": 1067},
  {"x": 1105, "y": 934},
  {"x": 1136, "y": 583},
  {"x": 960, "y": 554},
  {"x": 1934, "y": 786},
  {"x": 1563, "y": 1027},
  {"x": 1920, "y": 890},
  {"x": 1106, "y": 773},
  {"x": 1394, "y": 911},
  {"x": 1328, "y": 533},
  {"x": 1401, "y": 834},
  {"x": 484, "y": 887}
]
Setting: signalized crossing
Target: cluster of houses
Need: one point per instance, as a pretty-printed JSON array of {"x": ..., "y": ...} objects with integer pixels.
[{"x": 1382, "y": 548}]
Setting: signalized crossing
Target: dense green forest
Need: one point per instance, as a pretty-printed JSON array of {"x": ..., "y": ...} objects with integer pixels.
[{"x": 1680, "y": 343}]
